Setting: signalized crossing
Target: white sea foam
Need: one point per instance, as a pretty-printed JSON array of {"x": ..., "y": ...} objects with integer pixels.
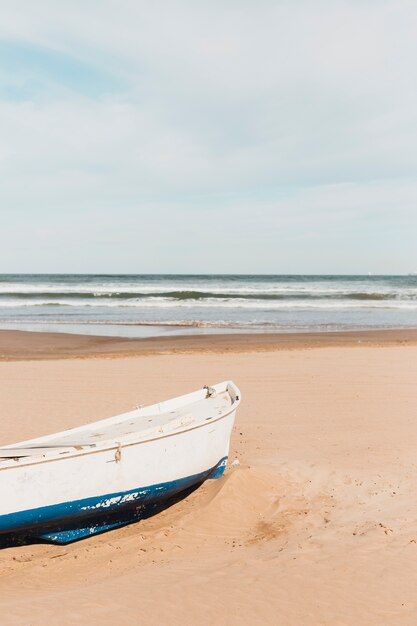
[
  {"x": 312, "y": 287},
  {"x": 236, "y": 303}
]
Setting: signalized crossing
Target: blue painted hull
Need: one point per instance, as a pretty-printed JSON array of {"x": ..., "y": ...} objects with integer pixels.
[{"x": 69, "y": 521}]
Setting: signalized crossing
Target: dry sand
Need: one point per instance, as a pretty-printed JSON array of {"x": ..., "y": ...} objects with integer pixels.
[{"x": 318, "y": 524}]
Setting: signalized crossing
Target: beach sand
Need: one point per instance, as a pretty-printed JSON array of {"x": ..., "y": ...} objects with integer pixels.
[{"x": 316, "y": 526}]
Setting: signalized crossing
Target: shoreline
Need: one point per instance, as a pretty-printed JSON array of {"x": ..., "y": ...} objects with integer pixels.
[{"x": 17, "y": 345}]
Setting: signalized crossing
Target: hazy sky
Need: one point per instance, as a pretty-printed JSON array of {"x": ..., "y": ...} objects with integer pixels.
[{"x": 216, "y": 136}]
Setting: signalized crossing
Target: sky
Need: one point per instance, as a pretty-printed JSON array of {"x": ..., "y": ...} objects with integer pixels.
[{"x": 235, "y": 136}]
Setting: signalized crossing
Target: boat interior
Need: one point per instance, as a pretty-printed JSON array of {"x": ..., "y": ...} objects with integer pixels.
[{"x": 141, "y": 424}]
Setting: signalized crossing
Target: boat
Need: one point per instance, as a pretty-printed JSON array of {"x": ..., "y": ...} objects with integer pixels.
[{"x": 87, "y": 480}]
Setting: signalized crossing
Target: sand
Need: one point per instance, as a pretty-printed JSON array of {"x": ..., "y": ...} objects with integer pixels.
[
  {"x": 18, "y": 345},
  {"x": 317, "y": 525}
]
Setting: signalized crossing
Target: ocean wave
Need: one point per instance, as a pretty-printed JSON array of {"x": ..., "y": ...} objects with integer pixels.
[
  {"x": 210, "y": 303},
  {"x": 214, "y": 288},
  {"x": 194, "y": 295}
]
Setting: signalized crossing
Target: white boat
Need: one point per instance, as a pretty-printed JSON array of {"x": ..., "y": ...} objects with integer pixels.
[{"x": 86, "y": 480}]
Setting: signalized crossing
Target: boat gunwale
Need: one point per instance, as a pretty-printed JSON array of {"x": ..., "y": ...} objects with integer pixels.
[{"x": 118, "y": 445}]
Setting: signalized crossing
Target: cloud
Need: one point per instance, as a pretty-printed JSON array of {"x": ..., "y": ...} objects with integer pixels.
[{"x": 297, "y": 112}]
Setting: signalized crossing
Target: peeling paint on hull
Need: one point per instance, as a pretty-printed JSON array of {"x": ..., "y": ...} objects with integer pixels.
[{"x": 69, "y": 521}]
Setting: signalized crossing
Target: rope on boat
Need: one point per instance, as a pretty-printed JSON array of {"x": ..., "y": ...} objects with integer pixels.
[
  {"x": 118, "y": 453},
  {"x": 211, "y": 392}
]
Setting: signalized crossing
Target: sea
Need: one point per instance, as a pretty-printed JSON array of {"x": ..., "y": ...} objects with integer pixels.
[{"x": 134, "y": 305}]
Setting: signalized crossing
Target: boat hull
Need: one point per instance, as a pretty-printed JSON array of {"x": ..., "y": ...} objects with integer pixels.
[
  {"x": 88, "y": 493},
  {"x": 70, "y": 521}
]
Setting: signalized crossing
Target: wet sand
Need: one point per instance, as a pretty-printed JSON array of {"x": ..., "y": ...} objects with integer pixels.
[
  {"x": 317, "y": 525},
  {"x": 16, "y": 344}
]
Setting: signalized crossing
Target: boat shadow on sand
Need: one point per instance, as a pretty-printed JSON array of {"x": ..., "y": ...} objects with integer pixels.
[{"x": 96, "y": 525}]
